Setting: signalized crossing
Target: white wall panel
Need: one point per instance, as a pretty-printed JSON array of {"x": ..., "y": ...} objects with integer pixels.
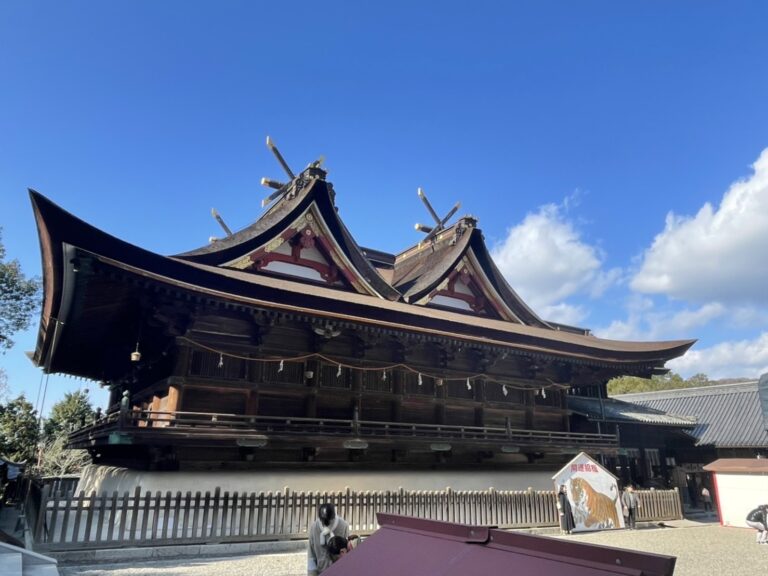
[{"x": 738, "y": 494}]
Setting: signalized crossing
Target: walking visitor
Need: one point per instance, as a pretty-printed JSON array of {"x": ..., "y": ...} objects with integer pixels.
[{"x": 630, "y": 505}]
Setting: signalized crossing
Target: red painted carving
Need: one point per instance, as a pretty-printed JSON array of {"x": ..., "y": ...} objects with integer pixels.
[{"x": 299, "y": 241}]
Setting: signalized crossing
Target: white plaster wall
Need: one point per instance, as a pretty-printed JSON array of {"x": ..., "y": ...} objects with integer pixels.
[
  {"x": 111, "y": 478},
  {"x": 738, "y": 494}
]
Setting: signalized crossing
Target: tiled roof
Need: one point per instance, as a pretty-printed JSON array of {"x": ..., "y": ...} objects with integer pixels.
[
  {"x": 611, "y": 410},
  {"x": 728, "y": 416}
]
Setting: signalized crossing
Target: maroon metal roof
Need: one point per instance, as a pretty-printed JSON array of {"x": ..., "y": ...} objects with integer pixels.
[
  {"x": 405, "y": 546},
  {"x": 731, "y": 465}
]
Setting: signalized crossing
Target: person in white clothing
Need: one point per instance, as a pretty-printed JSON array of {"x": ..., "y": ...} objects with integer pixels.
[{"x": 321, "y": 532}]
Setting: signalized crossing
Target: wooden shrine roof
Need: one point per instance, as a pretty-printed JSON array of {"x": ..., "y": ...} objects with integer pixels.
[
  {"x": 282, "y": 214},
  {"x": 420, "y": 270},
  {"x": 68, "y": 243}
]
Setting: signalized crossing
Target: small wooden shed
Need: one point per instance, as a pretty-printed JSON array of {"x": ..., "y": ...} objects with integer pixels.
[{"x": 741, "y": 484}]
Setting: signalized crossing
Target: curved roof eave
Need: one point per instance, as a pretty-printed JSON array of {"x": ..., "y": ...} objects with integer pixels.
[
  {"x": 507, "y": 293},
  {"x": 59, "y": 227}
]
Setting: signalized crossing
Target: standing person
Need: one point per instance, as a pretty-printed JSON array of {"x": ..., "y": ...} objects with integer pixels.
[
  {"x": 630, "y": 505},
  {"x": 564, "y": 509},
  {"x": 321, "y": 532},
  {"x": 706, "y": 498},
  {"x": 757, "y": 520}
]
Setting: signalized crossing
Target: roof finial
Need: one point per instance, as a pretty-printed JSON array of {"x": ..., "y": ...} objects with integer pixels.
[
  {"x": 430, "y": 231},
  {"x": 282, "y": 188}
]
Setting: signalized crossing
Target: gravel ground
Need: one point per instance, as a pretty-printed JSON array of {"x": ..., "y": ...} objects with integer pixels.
[{"x": 701, "y": 550}]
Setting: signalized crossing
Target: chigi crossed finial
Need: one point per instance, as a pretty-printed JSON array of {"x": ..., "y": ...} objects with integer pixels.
[
  {"x": 282, "y": 188},
  {"x": 432, "y": 231}
]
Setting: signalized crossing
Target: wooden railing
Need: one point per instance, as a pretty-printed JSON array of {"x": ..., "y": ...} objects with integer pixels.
[
  {"x": 69, "y": 521},
  {"x": 139, "y": 421},
  {"x": 658, "y": 505}
]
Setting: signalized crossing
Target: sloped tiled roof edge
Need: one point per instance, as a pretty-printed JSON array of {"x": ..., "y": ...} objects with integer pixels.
[
  {"x": 613, "y": 410},
  {"x": 728, "y": 415}
]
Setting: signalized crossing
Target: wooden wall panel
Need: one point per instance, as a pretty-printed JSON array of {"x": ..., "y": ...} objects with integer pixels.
[
  {"x": 213, "y": 401},
  {"x": 495, "y": 417}
]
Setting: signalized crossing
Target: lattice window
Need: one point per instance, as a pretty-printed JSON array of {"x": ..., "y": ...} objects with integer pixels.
[
  {"x": 373, "y": 381},
  {"x": 212, "y": 365},
  {"x": 333, "y": 376},
  {"x": 427, "y": 387},
  {"x": 653, "y": 462},
  {"x": 494, "y": 392},
  {"x": 292, "y": 372},
  {"x": 457, "y": 389},
  {"x": 547, "y": 398}
]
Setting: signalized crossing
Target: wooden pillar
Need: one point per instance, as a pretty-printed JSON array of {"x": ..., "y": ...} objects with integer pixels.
[
  {"x": 181, "y": 364},
  {"x": 398, "y": 389},
  {"x": 357, "y": 392},
  {"x": 478, "y": 389},
  {"x": 252, "y": 402},
  {"x": 564, "y": 408},
  {"x": 530, "y": 409},
  {"x": 175, "y": 395},
  {"x": 154, "y": 408},
  {"x": 440, "y": 410},
  {"x": 310, "y": 400}
]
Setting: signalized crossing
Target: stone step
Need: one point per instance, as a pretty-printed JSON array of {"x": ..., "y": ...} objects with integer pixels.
[
  {"x": 15, "y": 561},
  {"x": 10, "y": 563}
]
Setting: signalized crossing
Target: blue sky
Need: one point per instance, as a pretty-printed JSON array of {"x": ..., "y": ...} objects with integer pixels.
[{"x": 612, "y": 152}]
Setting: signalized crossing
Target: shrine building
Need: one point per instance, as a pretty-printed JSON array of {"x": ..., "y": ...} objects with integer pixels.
[{"x": 288, "y": 345}]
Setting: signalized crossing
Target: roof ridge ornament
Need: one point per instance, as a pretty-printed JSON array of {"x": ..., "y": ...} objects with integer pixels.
[
  {"x": 295, "y": 182},
  {"x": 432, "y": 231}
]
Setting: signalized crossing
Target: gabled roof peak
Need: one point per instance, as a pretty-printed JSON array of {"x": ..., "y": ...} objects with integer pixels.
[
  {"x": 449, "y": 236},
  {"x": 295, "y": 184}
]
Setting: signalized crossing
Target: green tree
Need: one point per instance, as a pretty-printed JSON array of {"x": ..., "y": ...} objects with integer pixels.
[
  {"x": 68, "y": 414},
  {"x": 57, "y": 460},
  {"x": 630, "y": 384},
  {"x": 19, "y": 298},
  {"x": 3, "y": 384},
  {"x": 699, "y": 380},
  {"x": 18, "y": 430}
]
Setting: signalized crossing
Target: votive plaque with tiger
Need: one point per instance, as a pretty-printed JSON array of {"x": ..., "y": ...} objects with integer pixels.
[{"x": 593, "y": 493}]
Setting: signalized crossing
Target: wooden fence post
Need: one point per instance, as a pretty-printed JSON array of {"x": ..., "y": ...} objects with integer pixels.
[{"x": 40, "y": 529}]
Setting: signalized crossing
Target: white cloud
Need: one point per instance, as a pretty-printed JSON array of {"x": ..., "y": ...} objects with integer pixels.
[
  {"x": 563, "y": 313},
  {"x": 684, "y": 321},
  {"x": 747, "y": 358},
  {"x": 645, "y": 322},
  {"x": 716, "y": 255},
  {"x": 635, "y": 327},
  {"x": 546, "y": 261}
]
